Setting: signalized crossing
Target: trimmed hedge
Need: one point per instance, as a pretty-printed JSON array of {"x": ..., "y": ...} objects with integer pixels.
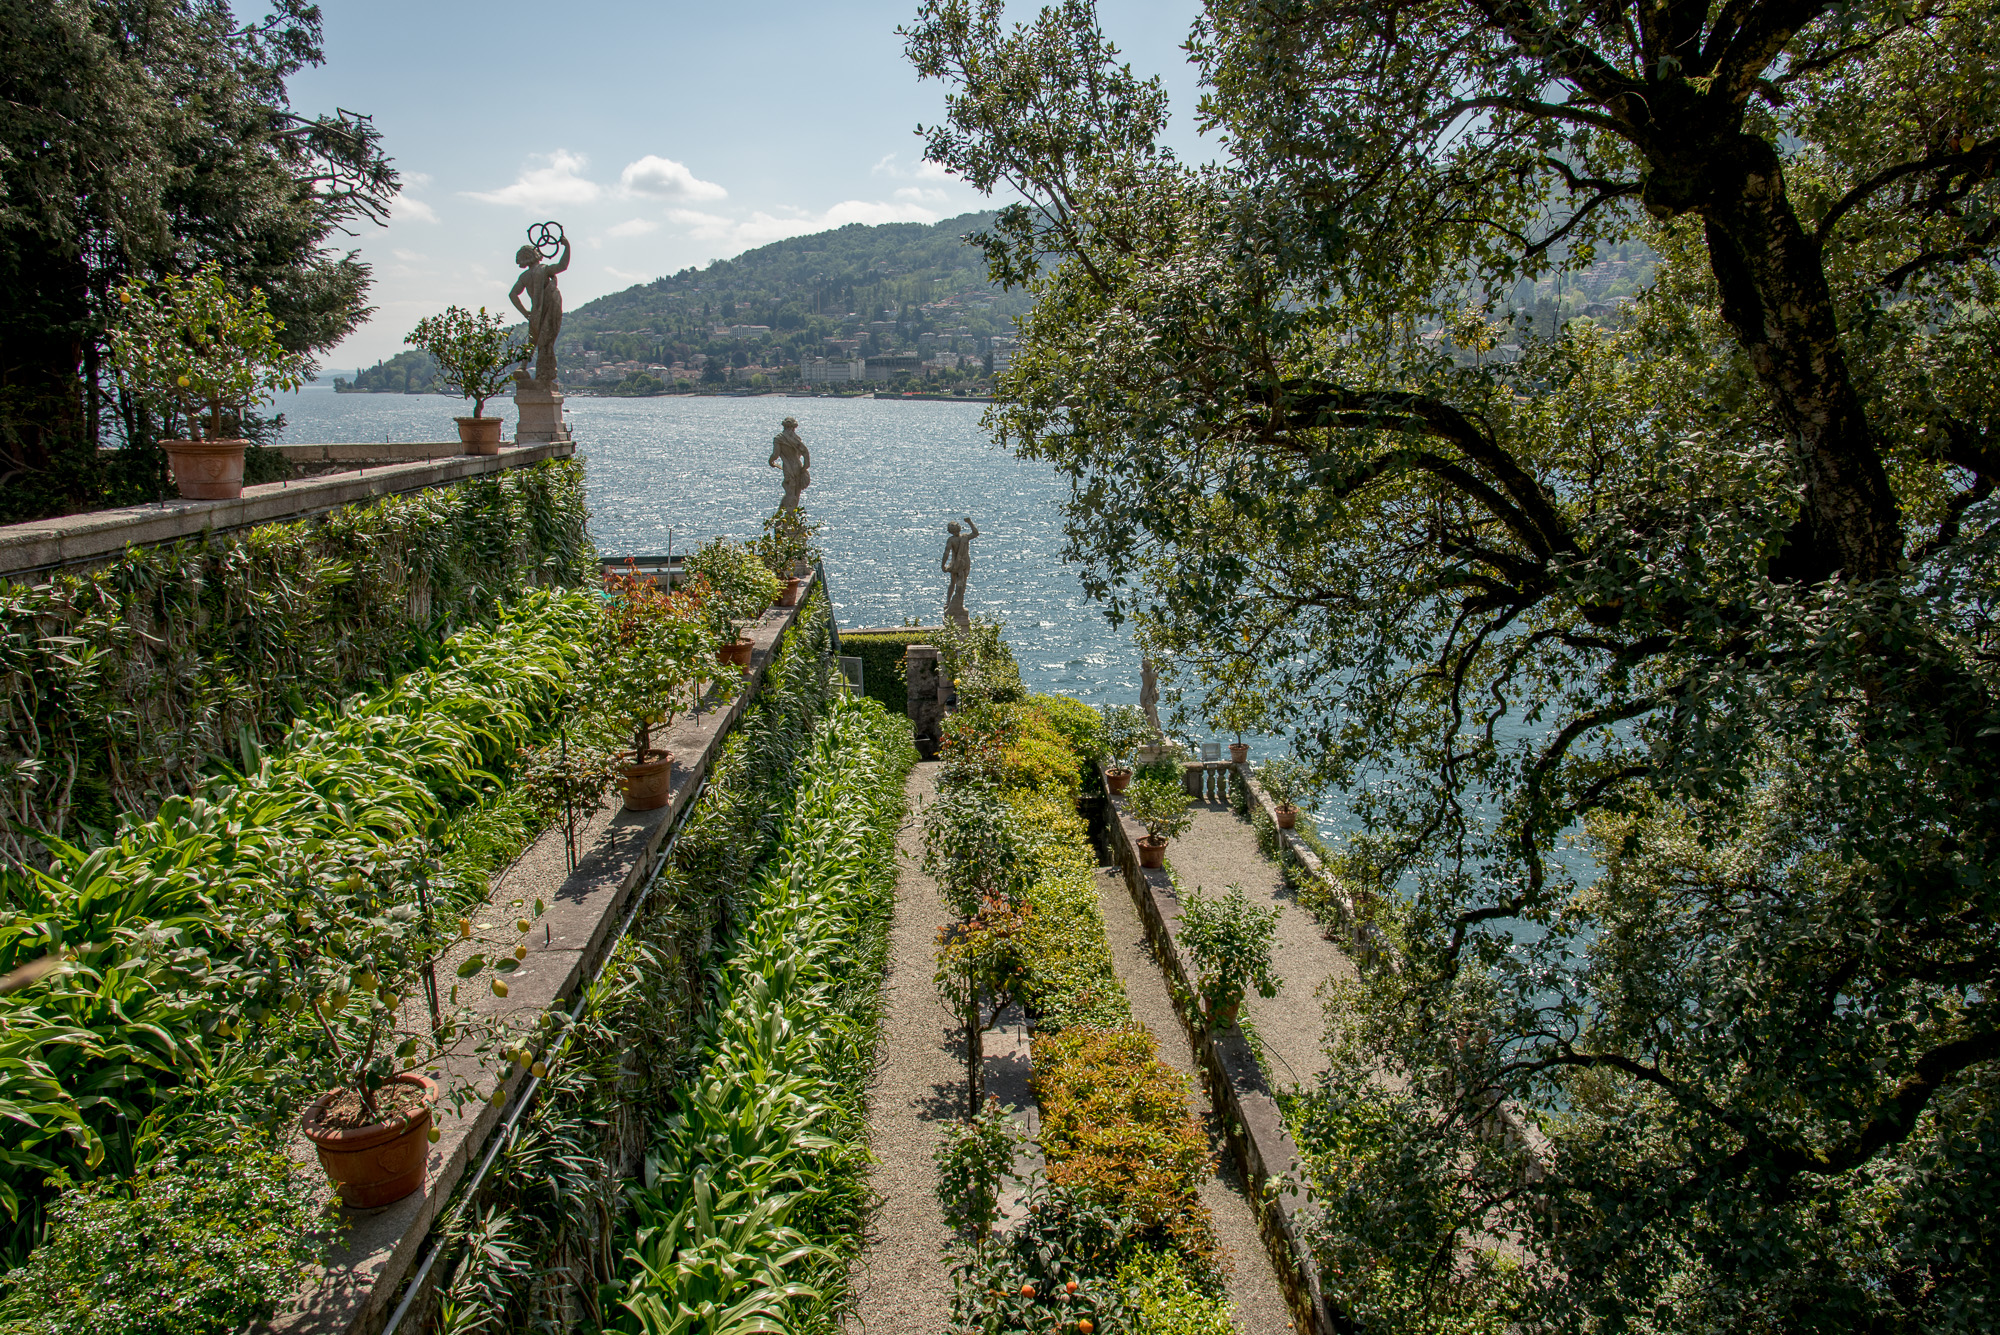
[
  {"x": 881, "y": 658},
  {"x": 124, "y": 686}
]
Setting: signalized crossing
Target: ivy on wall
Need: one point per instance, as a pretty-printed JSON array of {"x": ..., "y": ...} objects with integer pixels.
[{"x": 122, "y": 686}]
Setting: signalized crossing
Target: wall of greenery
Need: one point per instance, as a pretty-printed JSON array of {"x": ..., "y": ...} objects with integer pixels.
[
  {"x": 123, "y": 686},
  {"x": 881, "y": 658}
]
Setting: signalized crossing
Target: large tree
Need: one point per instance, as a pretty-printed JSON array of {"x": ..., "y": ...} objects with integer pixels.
[
  {"x": 143, "y": 137},
  {"x": 1657, "y": 651}
]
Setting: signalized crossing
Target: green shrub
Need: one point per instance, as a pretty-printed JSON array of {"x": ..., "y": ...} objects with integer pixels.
[
  {"x": 1071, "y": 977},
  {"x": 1080, "y": 725},
  {"x": 1230, "y": 939},
  {"x": 126, "y": 685},
  {"x": 1159, "y": 803},
  {"x": 1160, "y": 1299},
  {"x": 882, "y": 673},
  {"x": 197, "y": 1246}
]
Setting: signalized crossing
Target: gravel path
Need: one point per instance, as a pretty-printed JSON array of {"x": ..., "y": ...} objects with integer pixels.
[
  {"x": 902, "y": 1283},
  {"x": 1220, "y": 850},
  {"x": 1253, "y": 1287}
]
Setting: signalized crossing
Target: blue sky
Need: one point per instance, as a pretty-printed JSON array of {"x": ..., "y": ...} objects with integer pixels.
[{"x": 661, "y": 135}]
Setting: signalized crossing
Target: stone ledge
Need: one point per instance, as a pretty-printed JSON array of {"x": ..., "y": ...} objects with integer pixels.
[
  {"x": 72, "y": 541},
  {"x": 616, "y": 854},
  {"x": 1238, "y": 1090}
]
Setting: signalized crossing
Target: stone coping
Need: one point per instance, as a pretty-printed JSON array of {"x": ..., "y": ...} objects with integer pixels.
[
  {"x": 99, "y": 536},
  {"x": 364, "y": 452},
  {"x": 358, "y": 1285},
  {"x": 1238, "y": 1089}
]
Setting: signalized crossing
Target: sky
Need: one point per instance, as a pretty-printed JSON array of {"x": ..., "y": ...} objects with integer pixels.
[{"x": 660, "y": 135}]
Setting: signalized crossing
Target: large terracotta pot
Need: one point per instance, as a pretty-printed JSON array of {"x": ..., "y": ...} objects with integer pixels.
[
  {"x": 650, "y": 786},
  {"x": 1288, "y": 817},
  {"x": 1116, "y": 778},
  {"x": 1152, "y": 853},
  {"x": 1238, "y": 752},
  {"x": 207, "y": 470},
  {"x": 375, "y": 1165},
  {"x": 790, "y": 596},
  {"x": 735, "y": 655},
  {"x": 1224, "y": 1017},
  {"x": 479, "y": 435}
]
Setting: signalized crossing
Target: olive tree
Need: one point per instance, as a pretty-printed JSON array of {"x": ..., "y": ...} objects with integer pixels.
[{"x": 1656, "y": 650}]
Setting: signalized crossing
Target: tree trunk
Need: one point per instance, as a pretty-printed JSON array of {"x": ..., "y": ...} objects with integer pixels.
[
  {"x": 975, "y": 1054},
  {"x": 1775, "y": 297}
]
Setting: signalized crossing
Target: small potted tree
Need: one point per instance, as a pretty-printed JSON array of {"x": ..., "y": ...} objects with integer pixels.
[
  {"x": 787, "y": 551},
  {"x": 1230, "y": 939},
  {"x": 1161, "y": 805},
  {"x": 739, "y": 587},
  {"x": 354, "y": 957},
  {"x": 1124, "y": 729},
  {"x": 1289, "y": 782},
  {"x": 1238, "y": 709},
  {"x": 475, "y": 357},
  {"x": 644, "y": 660},
  {"x": 205, "y": 357}
]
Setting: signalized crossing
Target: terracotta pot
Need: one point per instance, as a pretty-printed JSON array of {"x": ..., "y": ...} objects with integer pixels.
[
  {"x": 207, "y": 470},
  {"x": 790, "y": 596},
  {"x": 650, "y": 786},
  {"x": 1224, "y": 1017},
  {"x": 735, "y": 655},
  {"x": 1152, "y": 853},
  {"x": 1287, "y": 817},
  {"x": 1239, "y": 752},
  {"x": 479, "y": 435},
  {"x": 1116, "y": 778},
  {"x": 375, "y": 1165}
]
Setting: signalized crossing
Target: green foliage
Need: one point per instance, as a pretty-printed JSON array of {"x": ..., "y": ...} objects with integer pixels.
[
  {"x": 472, "y": 352},
  {"x": 882, "y": 673},
  {"x": 404, "y": 373},
  {"x": 978, "y": 663},
  {"x": 646, "y": 652},
  {"x": 176, "y": 937},
  {"x": 1230, "y": 939},
  {"x": 1288, "y": 781},
  {"x": 199, "y": 353},
  {"x": 130, "y": 683},
  {"x": 1124, "y": 731},
  {"x": 786, "y": 546},
  {"x": 974, "y": 1158},
  {"x": 1071, "y": 978},
  {"x": 741, "y": 1187},
  {"x": 972, "y": 848},
  {"x": 1159, "y": 802},
  {"x": 742, "y": 587},
  {"x": 195, "y": 1245},
  {"x": 1080, "y": 726},
  {"x": 1644, "y": 644},
  {"x": 142, "y": 142},
  {"x": 1118, "y": 1130},
  {"x": 1053, "y": 1269},
  {"x": 1160, "y": 1299}
]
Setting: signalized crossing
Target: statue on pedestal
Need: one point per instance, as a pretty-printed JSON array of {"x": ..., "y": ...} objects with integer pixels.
[
  {"x": 790, "y": 450},
  {"x": 538, "y": 400},
  {"x": 1149, "y": 694},
  {"x": 957, "y": 563}
]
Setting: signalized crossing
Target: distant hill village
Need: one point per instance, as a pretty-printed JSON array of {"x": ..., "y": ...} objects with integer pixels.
[{"x": 899, "y": 306}]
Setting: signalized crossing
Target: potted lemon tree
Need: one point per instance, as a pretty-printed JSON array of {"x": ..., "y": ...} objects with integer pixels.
[
  {"x": 737, "y": 587},
  {"x": 645, "y": 660},
  {"x": 1125, "y": 730},
  {"x": 1290, "y": 782},
  {"x": 204, "y": 356},
  {"x": 1161, "y": 805},
  {"x": 474, "y": 357}
]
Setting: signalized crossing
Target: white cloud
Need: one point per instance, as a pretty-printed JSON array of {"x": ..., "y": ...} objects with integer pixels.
[
  {"x": 922, "y": 170},
  {"x": 625, "y": 277},
  {"x": 917, "y": 194},
  {"x": 542, "y": 189},
  {"x": 402, "y": 208},
  {"x": 667, "y": 179},
  {"x": 633, "y": 227},
  {"x": 760, "y": 228},
  {"x": 409, "y": 256}
]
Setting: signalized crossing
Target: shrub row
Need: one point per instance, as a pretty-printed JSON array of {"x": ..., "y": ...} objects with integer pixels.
[
  {"x": 755, "y": 1181},
  {"x": 541, "y": 1244},
  {"x": 126, "y": 685},
  {"x": 1125, "y": 1154}
]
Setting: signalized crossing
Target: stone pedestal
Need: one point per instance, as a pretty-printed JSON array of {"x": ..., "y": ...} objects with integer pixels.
[
  {"x": 541, "y": 417},
  {"x": 926, "y": 698}
]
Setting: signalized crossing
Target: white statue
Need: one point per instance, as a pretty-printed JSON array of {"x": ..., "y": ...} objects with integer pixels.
[
  {"x": 788, "y": 449},
  {"x": 544, "y": 309},
  {"x": 957, "y": 563},
  {"x": 1149, "y": 694}
]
